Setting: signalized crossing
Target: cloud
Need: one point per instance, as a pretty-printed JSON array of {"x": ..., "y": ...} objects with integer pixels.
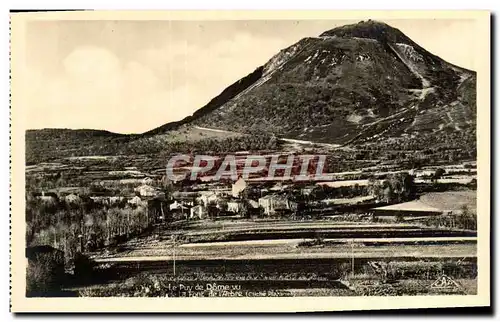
[{"x": 153, "y": 86}]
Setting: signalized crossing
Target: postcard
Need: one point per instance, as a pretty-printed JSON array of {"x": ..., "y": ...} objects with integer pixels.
[{"x": 249, "y": 161}]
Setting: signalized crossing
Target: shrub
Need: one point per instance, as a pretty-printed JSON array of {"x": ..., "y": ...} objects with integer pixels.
[
  {"x": 45, "y": 271},
  {"x": 83, "y": 267},
  {"x": 400, "y": 218}
]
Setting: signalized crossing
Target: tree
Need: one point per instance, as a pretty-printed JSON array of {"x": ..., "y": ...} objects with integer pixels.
[
  {"x": 375, "y": 189},
  {"x": 168, "y": 187},
  {"x": 408, "y": 192},
  {"x": 402, "y": 186},
  {"x": 212, "y": 210},
  {"x": 438, "y": 174},
  {"x": 466, "y": 219},
  {"x": 388, "y": 194},
  {"x": 244, "y": 209}
]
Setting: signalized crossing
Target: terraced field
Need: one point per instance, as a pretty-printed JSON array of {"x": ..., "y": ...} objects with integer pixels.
[
  {"x": 286, "y": 258},
  {"x": 315, "y": 239}
]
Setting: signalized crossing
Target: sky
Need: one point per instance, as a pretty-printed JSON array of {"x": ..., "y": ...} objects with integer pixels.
[{"x": 132, "y": 76}]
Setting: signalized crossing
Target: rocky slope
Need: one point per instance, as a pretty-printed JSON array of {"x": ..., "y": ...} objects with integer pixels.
[{"x": 355, "y": 83}]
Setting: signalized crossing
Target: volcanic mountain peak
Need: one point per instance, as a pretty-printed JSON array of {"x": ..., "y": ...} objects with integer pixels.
[
  {"x": 365, "y": 83},
  {"x": 371, "y": 30},
  {"x": 351, "y": 84},
  {"x": 354, "y": 83}
]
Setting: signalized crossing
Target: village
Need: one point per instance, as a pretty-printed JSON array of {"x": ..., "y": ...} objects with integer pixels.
[
  {"x": 135, "y": 218},
  {"x": 385, "y": 196}
]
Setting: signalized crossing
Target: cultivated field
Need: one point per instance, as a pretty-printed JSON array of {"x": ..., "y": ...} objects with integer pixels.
[{"x": 288, "y": 258}]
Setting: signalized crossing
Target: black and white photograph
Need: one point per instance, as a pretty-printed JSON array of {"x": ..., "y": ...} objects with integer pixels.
[{"x": 247, "y": 156}]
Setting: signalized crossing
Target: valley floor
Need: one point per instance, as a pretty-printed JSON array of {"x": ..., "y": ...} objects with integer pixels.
[{"x": 154, "y": 265}]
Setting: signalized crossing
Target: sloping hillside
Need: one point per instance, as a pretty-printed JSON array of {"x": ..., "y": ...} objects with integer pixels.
[{"x": 354, "y": 83}]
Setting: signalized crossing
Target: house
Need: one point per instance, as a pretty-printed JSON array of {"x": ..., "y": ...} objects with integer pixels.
[
  {"x": 179, "y": 210},
  {"x": 253, "y": 208},
  {"x": 115, "y": 199},
  {"x": 146, "y": 190},
  {"x": 177, "y": 206},
  {"x": 147, "y": 181},
  {"x": 72, "y": 199},
  {"x": 183, "y": 197},
  {"x": 99, "y": 199},
  {"x": 238, "y": 187},
  {"x": 208, "y": 198},
  {"x": 278, "y": 187},
  {"x": 273, "y": 204},
  {"x": 234, "y": 206},
  {"x": 105, "y": 200},
  {"x": 253, "y": 204},
  {"x": 306, "y": 191},
  {"x": 135, "y": 201},
  {"x": 49, "y": 197},
  {"x": 198, "y": 212}
]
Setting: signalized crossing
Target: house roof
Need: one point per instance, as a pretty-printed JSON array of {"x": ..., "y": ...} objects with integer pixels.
[
  {"x": 145, "y": 186},
  {"x": 275, "y": 196},
  {"x": 415, "y": 205},
  {"x": 177, "y": 205},
  {"x": 72, "y": 196},
  {"x": 253, "y": 203}
]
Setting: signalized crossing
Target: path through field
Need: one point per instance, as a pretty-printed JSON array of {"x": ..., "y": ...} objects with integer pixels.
[{"x": 240, "y": 239}]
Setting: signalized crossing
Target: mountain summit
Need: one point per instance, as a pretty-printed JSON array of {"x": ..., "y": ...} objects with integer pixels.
[
  {"x": 355, "y": 83},
  {"x": 369, "y": 30},
  {"x": 366, "y": 86}
]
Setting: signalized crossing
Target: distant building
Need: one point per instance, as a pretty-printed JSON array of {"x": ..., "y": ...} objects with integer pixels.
[
  {"x": 72, "y": 198},
  {"x": 273, "y": 204},
  {"x": 209, "y": 198},
  {"x": 136, "y": 201},
  {"x": 184, "y": 195},
  {"x": 253, "y": 204},
  {"x": 234, "y": 206},
  {"x": 278, "y": 187},
  {"x": 179, "y": 210},
  {"x": 146, "y": 190},
  {"x": 115, "y": 199},
  {"x": 99, "y": 199},
  {"x": 177, "y": 206},
  {"x": 49, "y": 197},
  {"x": 306, "y": 191},
  {"x": 238, "y": 187},
  {"x": 147, "y": 181}
]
